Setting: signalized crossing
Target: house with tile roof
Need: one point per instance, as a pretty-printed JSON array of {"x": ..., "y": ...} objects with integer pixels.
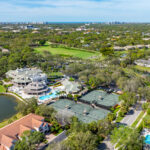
[{"x": 13, "y": 132}]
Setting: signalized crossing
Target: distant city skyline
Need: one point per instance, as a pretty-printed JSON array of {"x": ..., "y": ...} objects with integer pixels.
[{"x": 74, "y": 10}]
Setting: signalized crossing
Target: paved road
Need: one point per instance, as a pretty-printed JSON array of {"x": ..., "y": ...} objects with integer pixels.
[
  {"x": 132, "y": 115},
  {"x": 127, "y": 120}
]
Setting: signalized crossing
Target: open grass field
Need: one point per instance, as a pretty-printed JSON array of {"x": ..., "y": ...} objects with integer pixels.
[
  {"x": 141, "y": 68},
  {"x": 138, "y": 119},
  {"x": 2, "y": 89},
  {"x": 56, "y": 74},
  {"x": 67, "y": 52}
]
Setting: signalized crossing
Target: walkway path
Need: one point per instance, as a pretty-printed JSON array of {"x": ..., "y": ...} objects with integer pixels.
[
  {"x": 53, "y": 139},
  {"x": 106, "y": 145}
]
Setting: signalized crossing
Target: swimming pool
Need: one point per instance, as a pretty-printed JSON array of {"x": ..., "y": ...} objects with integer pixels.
[
  {"x": 46, "y": 97},
  {"x": 147, "y": 139}
]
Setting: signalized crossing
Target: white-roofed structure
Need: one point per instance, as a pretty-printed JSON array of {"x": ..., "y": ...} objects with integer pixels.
[
  {"x": 70, "y": 87},
  {"x": 36, "y": 88},
  {"x": 24, "y": 76},
  {"x": 28, "y": 82}
]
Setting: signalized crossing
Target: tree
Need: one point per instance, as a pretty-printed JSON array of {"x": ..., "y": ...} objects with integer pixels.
[
  {"x": 57, "y": 146},
  {"x": 42, "y": 42},
  {"x": 145, "y": 106},
  {"x": 56, "y": 127},
  {"x": 111, "y": 117},
  {"x": 45, "y": 111},
  {"x": 81, "y": 141},
  {"x": 29, "y": 106},
  {"x": 76, "y": 97},
  {"x": 146, "y": 121},
  {"x": 107, "y": 51},
  {"x": 29, "y": 140},
  {"x": 64, "y": 117},
  {"x": 127, "y": 138}
]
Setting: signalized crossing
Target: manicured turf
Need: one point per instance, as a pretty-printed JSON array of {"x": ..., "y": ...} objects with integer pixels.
[
  {"x": 141, "y": 68},
  {"x": 2, "y": 89},
  {"x": 67, "y": 52},
  {"x": 119, "y": 119},
  {"x": 10, "y": 120},
  {"x": 138, "y": 119},
  {"x": 56, "y": 74}
]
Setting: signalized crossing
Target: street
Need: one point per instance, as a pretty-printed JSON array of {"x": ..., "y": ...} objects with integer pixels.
[{"x": 131, "y": 116}]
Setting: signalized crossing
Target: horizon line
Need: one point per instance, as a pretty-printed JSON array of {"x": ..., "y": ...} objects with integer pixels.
[{"x": 74, "y": 22}]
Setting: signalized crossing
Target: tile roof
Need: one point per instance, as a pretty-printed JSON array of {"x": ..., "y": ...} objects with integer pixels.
[
  {"x": 7, "y": 141},
  {"x": 11, "y": 132},
  {"x": 23, "y": 128}
]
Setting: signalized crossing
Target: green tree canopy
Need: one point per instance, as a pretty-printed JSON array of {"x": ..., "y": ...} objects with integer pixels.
[{"x": 126, "y": 138}]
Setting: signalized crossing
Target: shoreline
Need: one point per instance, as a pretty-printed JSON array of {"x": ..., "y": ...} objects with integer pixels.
[
  {"x": 17, "y": 100},
  {"x": 13, "y": 118}
]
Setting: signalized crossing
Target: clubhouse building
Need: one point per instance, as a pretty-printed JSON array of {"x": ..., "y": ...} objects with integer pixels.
[
  {"x": 24, "y": 76},
  {"x": 28, "y": 82}
]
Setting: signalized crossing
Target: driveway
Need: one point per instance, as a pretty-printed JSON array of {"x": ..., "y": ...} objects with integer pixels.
[{"x": 106, "y": 145}]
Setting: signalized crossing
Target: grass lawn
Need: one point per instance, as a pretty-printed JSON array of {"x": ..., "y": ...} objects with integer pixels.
[
  {"x": 10, "y": 120},
  {"x": 119, "y": 119},
  {"x": 2, "y": 89},
  {"x": 67, "y": 52},
  {"x": 141, "y": 68},
  {"x": 56, "y": 74},
  {"x": 138, "y": 119}
]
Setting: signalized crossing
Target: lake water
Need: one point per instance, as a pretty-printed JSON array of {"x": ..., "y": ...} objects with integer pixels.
[{"x": 7, "y": 106}]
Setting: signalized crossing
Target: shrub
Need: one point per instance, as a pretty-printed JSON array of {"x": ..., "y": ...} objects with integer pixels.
[
  {"x": 111, "y": 116},
  {"x": 145, "y": 106},
  {"x": 8, "y": 85},
  {"x": 121, "y": 114},
  {"x": 76, "y": 97},
  {"x": 15, "y": 117},
  {"x": 6, "y": 79},
  {"x": 71, "y": 79},
  {"x": 69, "y": 96},
  {"x": 1, "y": 83},
  {"x": 10, "y": 121}
]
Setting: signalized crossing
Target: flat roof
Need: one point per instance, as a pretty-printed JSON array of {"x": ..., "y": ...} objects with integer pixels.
[
  {"x": 83, "y": 112},
  {"x": 101, "y": 97}
]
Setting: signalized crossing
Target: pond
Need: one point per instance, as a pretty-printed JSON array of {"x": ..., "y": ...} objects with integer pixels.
[{"x": 7, "y": 106}]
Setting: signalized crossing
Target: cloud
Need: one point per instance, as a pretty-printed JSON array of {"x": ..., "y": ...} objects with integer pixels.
[{"x": 75, "y": 10}]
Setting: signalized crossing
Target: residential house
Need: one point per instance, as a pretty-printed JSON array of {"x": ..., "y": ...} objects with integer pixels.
[{"x": 13, "y": 132}]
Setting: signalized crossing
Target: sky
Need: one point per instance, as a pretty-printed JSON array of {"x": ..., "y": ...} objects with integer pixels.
[{"x": 74, "y": 10}]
